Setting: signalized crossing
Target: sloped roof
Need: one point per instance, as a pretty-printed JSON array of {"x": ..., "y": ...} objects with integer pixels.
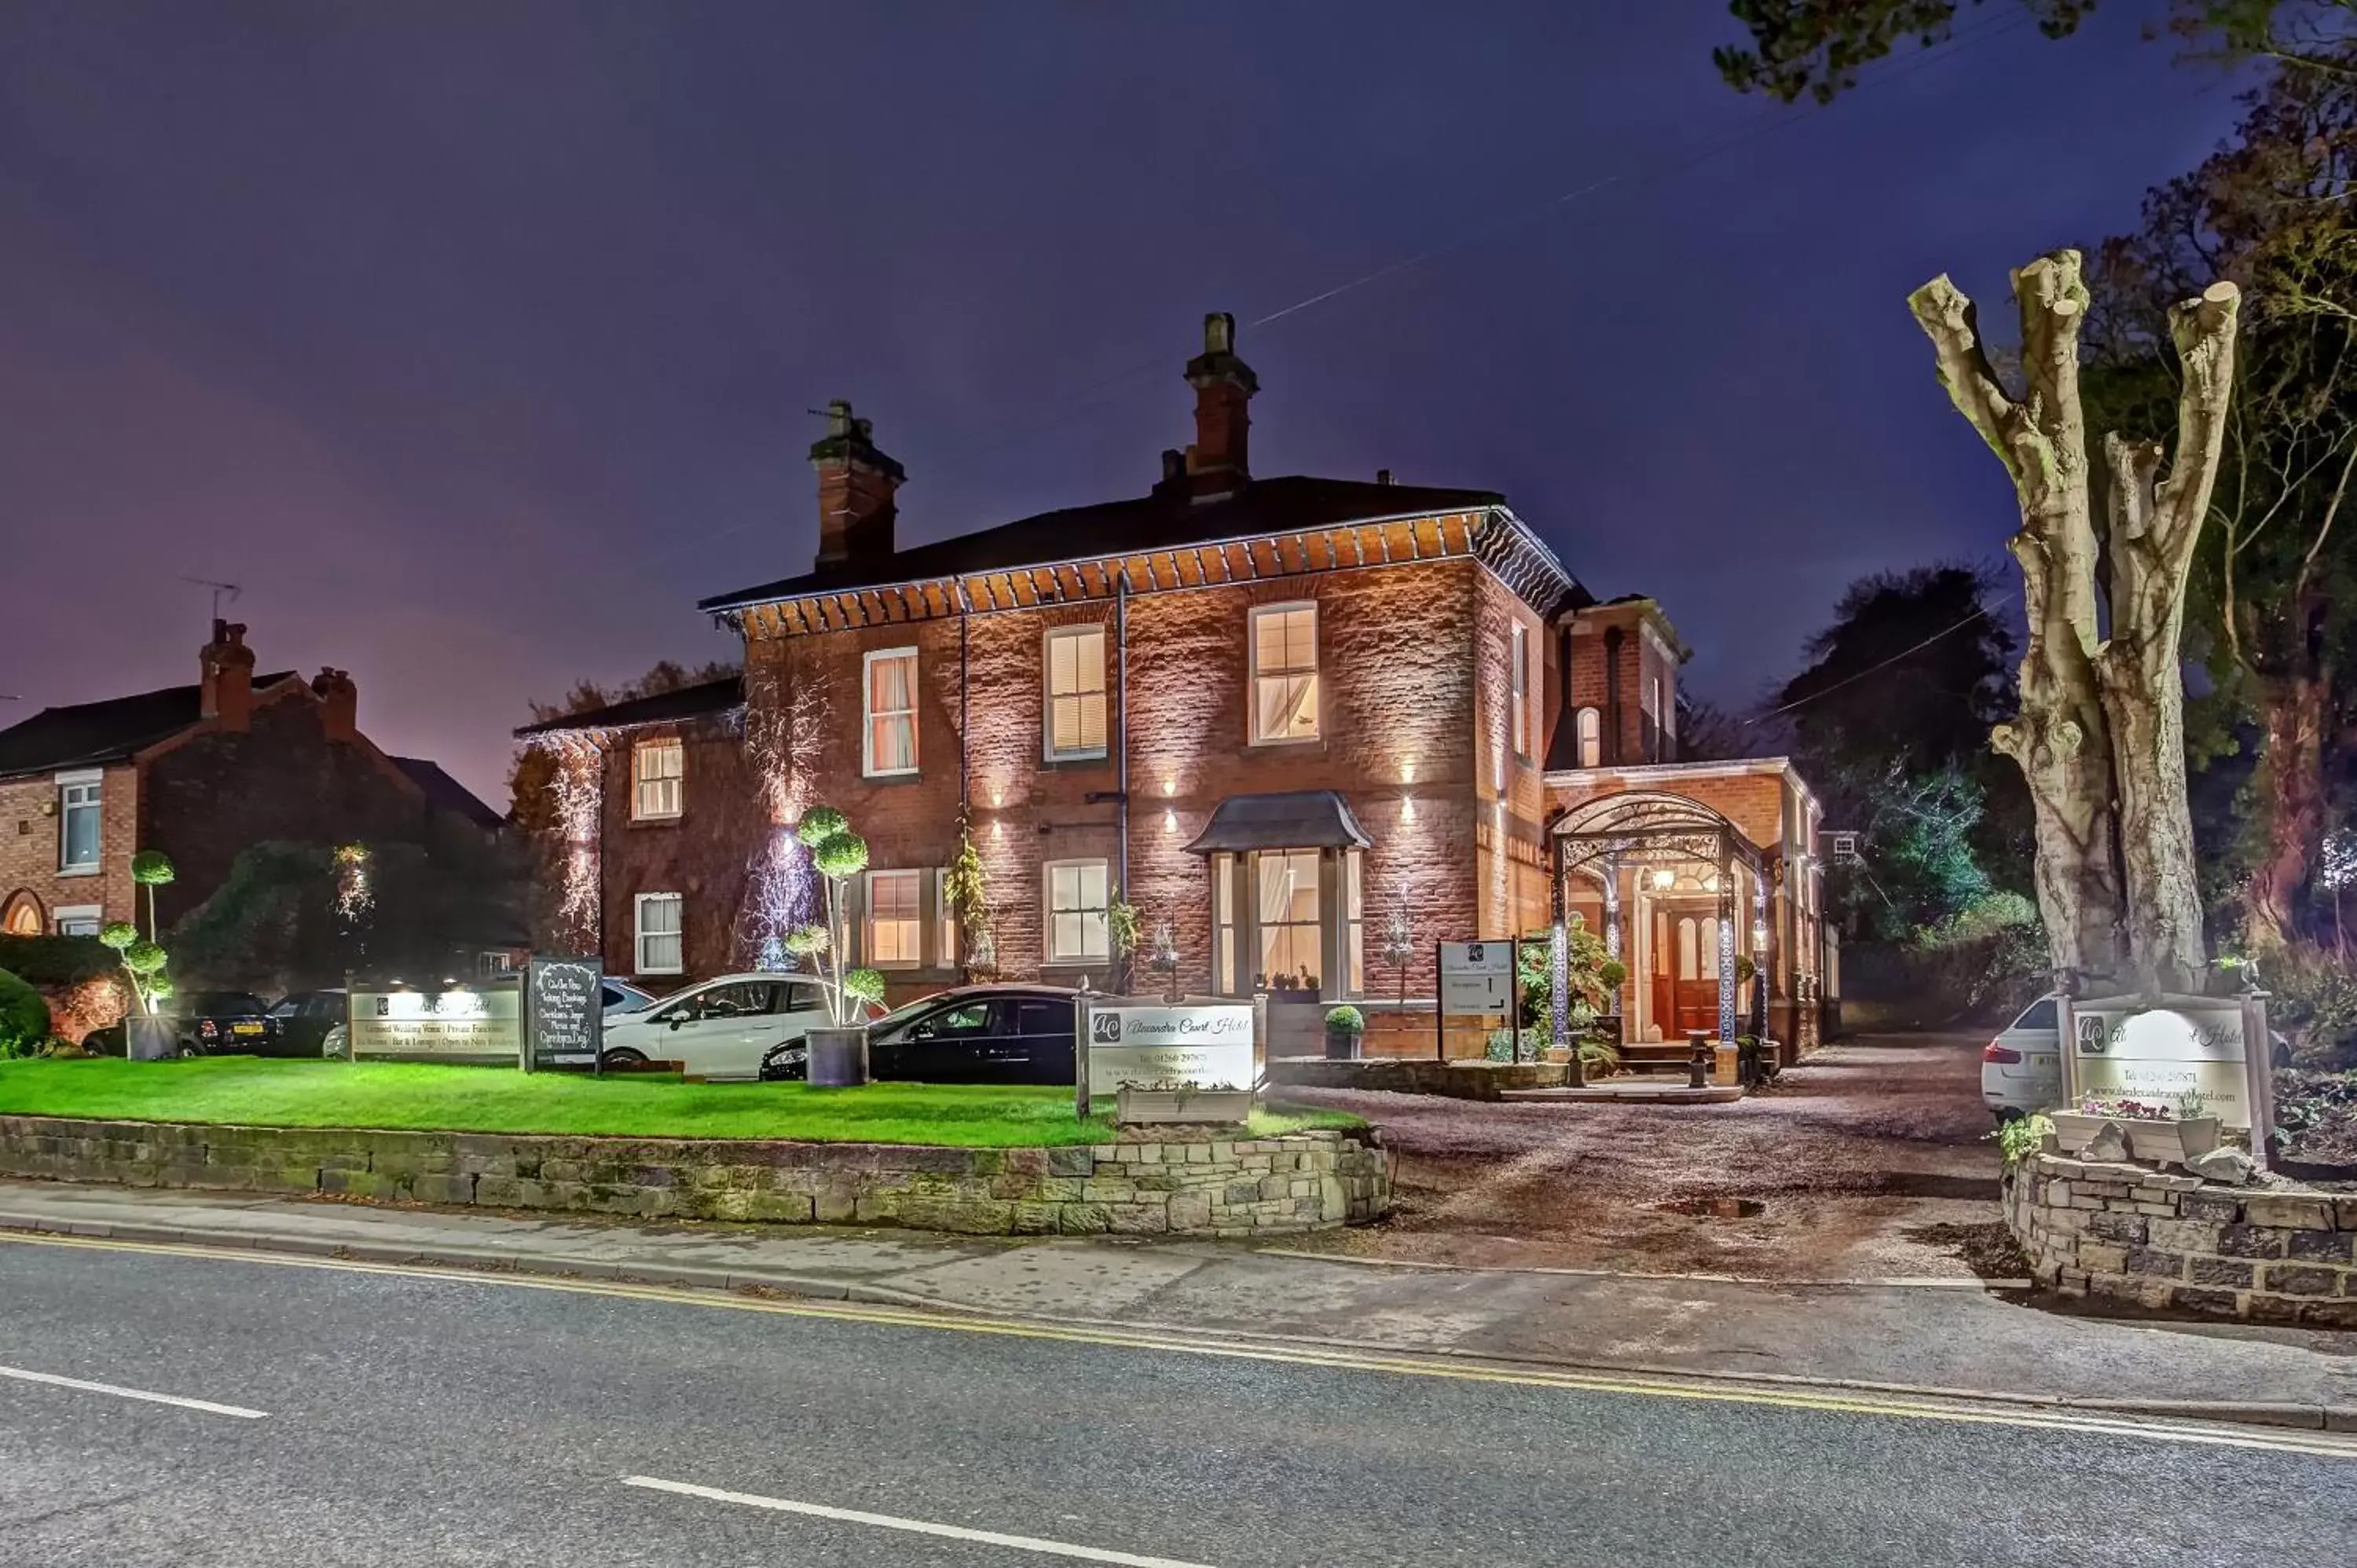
[
  {"x": 443, "y": 793},
  {"x": 687, "y": 702},
  {"x": 1288, "y": 504},
  {"x": 87, "y": 734}
]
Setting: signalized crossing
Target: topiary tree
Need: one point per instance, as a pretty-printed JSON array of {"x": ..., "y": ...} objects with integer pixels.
[
  {"x": 151, "y": 869},
  {"x": 837, "y": 854}
]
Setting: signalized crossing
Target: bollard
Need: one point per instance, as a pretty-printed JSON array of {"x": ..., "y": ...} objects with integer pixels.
[{"x": 1698, "y": 1066}]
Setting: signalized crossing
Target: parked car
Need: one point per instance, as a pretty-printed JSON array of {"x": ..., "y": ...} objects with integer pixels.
[
  {"x": 719, "y": 1029},
  {"x": 2021, "y": 1069},
  {"x": 973, "y": 1034},
  {"x": 615, "y": 997},
  {"x": 301, "y": 1020},
  {"x": 204, "y": 1023}
]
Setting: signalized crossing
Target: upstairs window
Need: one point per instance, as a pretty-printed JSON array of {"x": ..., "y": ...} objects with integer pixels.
[
  {"x": 660, "y": 944},
  {"x": 1284, "y": 673},
  {"x": 1591, "y": 738},
  {"x": 77, "y": 819},
  {"x": 1518, "y": 653},
  {"x": 895, "y": 921},
  {"x": 657, "y": 766},
  {"x": 890, "y": 741},
  {"x": 1076, "y": 693}
]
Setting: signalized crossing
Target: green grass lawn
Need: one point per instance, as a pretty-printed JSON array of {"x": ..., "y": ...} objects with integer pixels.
[{"x": 499, "y": 1099}]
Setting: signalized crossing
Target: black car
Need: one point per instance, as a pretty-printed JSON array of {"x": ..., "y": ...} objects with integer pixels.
[
  {"x": 974, "y": 1034},
  {"x": 204, "y": 1023},
  {"x": 300, "y": 1020}
]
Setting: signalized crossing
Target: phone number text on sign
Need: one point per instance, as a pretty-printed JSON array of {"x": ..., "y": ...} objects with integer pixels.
[{"x": 1209, "y": 1047}]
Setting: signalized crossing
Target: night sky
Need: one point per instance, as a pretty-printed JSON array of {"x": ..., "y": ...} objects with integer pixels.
[{"x": 476, "y": 341}]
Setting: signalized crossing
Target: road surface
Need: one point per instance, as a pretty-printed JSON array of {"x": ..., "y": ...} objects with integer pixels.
[{"x": 336, "y": 1416}]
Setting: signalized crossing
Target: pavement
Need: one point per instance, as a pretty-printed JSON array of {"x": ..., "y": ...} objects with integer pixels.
[
  {"x": 1933, "y": 1336},
  {"x": 253, "y": 1408}
]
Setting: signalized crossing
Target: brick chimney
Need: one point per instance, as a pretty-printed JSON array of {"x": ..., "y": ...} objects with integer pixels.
[
  {"x": 339, "y": 705},
  {"x": 1223, "y": 384},
  {"x": 225, "y": 684},
  {"x": 856, "y": 486}
]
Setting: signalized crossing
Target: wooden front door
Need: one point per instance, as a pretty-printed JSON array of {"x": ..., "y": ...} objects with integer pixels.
[{"x": 1694, "y": 985}]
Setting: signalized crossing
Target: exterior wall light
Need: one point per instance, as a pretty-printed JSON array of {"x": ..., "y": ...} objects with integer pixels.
[
  {"x": 1407, "y": 807},
  {"x": 1663, "y": 877},
  {"x": 1169, "y": 821}
]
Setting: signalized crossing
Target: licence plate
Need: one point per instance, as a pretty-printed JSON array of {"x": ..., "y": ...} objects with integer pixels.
[{"x": 246, "y": 1028}]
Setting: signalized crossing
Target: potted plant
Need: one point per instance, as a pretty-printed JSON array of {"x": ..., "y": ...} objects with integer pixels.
[
  {"x": 148, "y": 1036},
  {"x": 1166, "y": 1101},
  {"x": 2148, "y": 1129},
  {"x": 838, "y": 1051},
  {"x": 1344, "y": 1025}
]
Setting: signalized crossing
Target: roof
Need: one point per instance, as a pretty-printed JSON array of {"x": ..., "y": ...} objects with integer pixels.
[
  {"x": 709, "y": 697},
  {"x": 90, "y": 733},
  {"x": 1288, "y": 504},
  {"x": 1295, "y": 818},
  {"x": 443, "y": 793}
]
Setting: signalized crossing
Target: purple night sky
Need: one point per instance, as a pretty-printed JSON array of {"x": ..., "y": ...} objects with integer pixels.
[{"x": 475, "y": 342}]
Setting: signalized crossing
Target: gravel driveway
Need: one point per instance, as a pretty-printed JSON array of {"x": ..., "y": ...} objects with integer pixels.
[{"x": 1869, "y": 1161}]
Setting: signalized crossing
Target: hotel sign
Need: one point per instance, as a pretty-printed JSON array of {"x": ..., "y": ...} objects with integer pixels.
[
  {"x": 1207, "y": 1045},
  {"x": 477, "y": 1023},
  {"x": 2121, "y": 1048},
  {"x": 1477, "y": 978}
]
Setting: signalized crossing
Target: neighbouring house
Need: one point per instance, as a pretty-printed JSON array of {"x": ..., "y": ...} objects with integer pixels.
[
  {"x": 1278, "y": 714},
  {"x": 199, "y": 772}
]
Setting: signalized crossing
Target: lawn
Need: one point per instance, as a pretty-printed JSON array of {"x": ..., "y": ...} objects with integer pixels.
[{"x": 257, "y": 1093}]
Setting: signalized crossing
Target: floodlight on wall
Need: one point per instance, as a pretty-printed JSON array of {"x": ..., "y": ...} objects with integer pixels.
[{"x": 1664, "y": 878}]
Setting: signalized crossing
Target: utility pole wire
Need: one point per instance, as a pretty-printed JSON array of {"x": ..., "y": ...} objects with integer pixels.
[{"x": 1883, "y": 664}]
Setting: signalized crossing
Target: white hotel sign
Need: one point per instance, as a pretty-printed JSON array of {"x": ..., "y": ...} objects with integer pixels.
[
  {"x": 2123, "y": 1050},
  {"x": 1207, "y": 1045}
]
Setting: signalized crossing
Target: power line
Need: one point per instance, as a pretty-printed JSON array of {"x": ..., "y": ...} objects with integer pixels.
[{"x": 1862, "y": 675}]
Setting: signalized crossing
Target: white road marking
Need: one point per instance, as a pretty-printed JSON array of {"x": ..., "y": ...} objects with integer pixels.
[
  {"x": 206, "y": 1405},
  {"x": 913, "y": 1526}
]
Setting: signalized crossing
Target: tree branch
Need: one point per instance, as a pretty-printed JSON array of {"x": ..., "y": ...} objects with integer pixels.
[
  {"x": 1949, "y": 319},
  {"x": 2203, "y": 329}
]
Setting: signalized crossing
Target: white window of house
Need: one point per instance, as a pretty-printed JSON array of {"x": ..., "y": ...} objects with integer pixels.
[
  {"x": 1077, "y": 901},
  {"x": 657, "y": 766},
  {"x": 1285, "y": 673},
  {"x": 1287, "y": 891},
  {"x": 1519, "y": 653},
  {"x": 1354, "y": 913},
  {"x": 1689, "y": 961},
  {"x": 77, "y": 821},
  {"x": 661, "y": 947},
  {"x": 1076, "y": 692},
  {"x": 889, "y": 686},
  {"x": 1591, "y": 738},
  {"x": 895, "y": 921},
  {"x": 76, "y": 920},
  {"x": 1224, "y": 923}
]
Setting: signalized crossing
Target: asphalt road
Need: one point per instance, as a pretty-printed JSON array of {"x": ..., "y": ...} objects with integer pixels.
[{"x": 411, "y": 1419}]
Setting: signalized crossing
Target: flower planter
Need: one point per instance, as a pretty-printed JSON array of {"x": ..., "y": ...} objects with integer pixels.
[
  {"x": 1213, "y": 1107},
  {"x": 1291, "y": 993},
  {"x": 2152, "y": 1142},
  {"x": 146, "y": 1039},
  {"x": 1343, "y": 1045},
  {"x": 838, "y": 1058}
]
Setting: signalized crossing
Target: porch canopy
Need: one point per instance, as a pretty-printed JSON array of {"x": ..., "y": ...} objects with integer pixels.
[
  {"x": 1296, "y": 819},
  {"x": 1652, "y": 828}
]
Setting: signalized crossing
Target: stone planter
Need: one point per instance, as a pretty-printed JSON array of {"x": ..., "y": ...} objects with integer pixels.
[
  {"x": 146, "y": 1039},
  {"x": 1342, "y": 1045},
  {"x": 1213, "y": 1107},
  {"x": 838, "y": 1058},
  {"x": 2154, "y": 1143}
]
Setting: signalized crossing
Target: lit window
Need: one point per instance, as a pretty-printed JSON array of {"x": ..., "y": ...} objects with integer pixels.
[
  {"x": 78, "y": 808},
  {"x": 21, "y": 916},
  {"x": 657, "y": 764},
  {"x": 1285, "y": 673},
  {"x": 1223, "y": 920},
  {"x": 660, "y": 948},
  {"x": 1591, "y": 738},
  {"x": 1076, "y": 692},
  {"x": 1519, "y": 674},
  {"x": 1354, "y": 911},
  {"x": 895, "y": 924},
  {"x": 1077, "y": 901},
  {"x": 1287, "y": 889},
  {"x": 891, "y": 704}
]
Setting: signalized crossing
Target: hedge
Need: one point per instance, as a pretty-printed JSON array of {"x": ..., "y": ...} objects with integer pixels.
[
  {"x": 23, "y": 1016},
  {"x": 58, "y": 960}
]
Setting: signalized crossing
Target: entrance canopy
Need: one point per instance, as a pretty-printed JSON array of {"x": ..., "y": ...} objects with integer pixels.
[
  {"x": 1296, "y": 819},
  {"x": 1647, "y": 829}
]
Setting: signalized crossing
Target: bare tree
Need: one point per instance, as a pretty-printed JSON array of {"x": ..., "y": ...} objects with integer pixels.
[{"x": 2100, "y": 733}]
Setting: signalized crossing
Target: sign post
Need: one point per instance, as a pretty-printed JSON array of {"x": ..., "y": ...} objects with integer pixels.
[
  {"x": 1475, "y": 978},
  {"x": 564, "y": 1025}
]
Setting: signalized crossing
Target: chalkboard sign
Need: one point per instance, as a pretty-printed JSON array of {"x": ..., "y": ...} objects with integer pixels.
[{"x": 563, "y": 1018}]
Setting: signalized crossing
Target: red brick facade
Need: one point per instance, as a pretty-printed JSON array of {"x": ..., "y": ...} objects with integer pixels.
[{"x": 33, "y": 886}]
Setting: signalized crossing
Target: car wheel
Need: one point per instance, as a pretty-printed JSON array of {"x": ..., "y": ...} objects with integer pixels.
[
  {"x": 624, "y": 1056},
  {"x": 187, "y": 1051}
]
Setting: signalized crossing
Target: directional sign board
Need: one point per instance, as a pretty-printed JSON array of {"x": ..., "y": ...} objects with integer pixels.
[{"x": 1477, "y": 977}]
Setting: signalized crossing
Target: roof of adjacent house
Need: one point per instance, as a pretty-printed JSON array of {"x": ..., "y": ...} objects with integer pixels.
[
  {"x": 685, "y": 703},
  {"x": 1288, "y": 504},
  {"x": 87, "y": 734},
  {"x": 443, "y": 793}
]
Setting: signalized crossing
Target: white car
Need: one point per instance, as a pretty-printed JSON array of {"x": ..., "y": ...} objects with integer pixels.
[
  {"x": 721, "y": 1028},
  {"x": 2021, "y": 1069},
  {"x": 615, "y": 997}
]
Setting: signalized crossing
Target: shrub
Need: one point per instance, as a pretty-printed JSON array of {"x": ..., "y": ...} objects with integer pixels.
[
  {"x": 56, "y": 960},
  {"x": 1988, "y": 958},
  {"x": 2313, "y": 1002},
  {"x": 23, "y": 1017},
  {"x": 1347, "y": 1020}
]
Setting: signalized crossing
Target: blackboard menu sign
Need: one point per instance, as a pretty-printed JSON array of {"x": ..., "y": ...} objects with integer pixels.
[{"x": 562, "y": 1016}]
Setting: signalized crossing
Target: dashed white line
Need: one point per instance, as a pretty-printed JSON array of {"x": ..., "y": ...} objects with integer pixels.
[
  {"x": 208, "y": 1406},
  {"x": 912, "y": 1526}
]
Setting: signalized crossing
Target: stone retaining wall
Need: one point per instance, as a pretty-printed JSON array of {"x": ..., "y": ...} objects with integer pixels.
[
  {"x": 1453, "y": 1079},
  {"x": 2159, "y": 1239},
  {"x": 1205, "y": 1187}
]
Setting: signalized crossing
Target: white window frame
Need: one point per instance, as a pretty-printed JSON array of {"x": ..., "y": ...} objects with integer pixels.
[
  {"x": 94, "y": 779},
  {"x": 1518, "y": 655},
  {"x": 64, "y": 915},
  {"x": 639, "y": 933},
  {"x": 868, "y": 715},
  {"x": 1050, "y": 955},
  {"x": 1254, "y": 674},
  {"x": 1587, "y": 731},
  {"x": 664, "y": 811},
  {"x": 867, "y": 944},
  {"x": 1048, "y": 749}
]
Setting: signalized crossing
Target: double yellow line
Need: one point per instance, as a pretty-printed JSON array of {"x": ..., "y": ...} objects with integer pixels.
[{"x": 2277, "y": 1440}]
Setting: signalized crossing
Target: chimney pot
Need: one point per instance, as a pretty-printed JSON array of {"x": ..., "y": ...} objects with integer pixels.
[
  {"x": 339, "y": 703},
  {"x": 225, "y": 677},
  {"x": 1383, "y": 475},
  {"x": 857, "y": 486}
]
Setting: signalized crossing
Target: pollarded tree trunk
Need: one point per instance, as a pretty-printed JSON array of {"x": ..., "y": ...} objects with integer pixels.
[{"x": 2100, "y": 735}]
